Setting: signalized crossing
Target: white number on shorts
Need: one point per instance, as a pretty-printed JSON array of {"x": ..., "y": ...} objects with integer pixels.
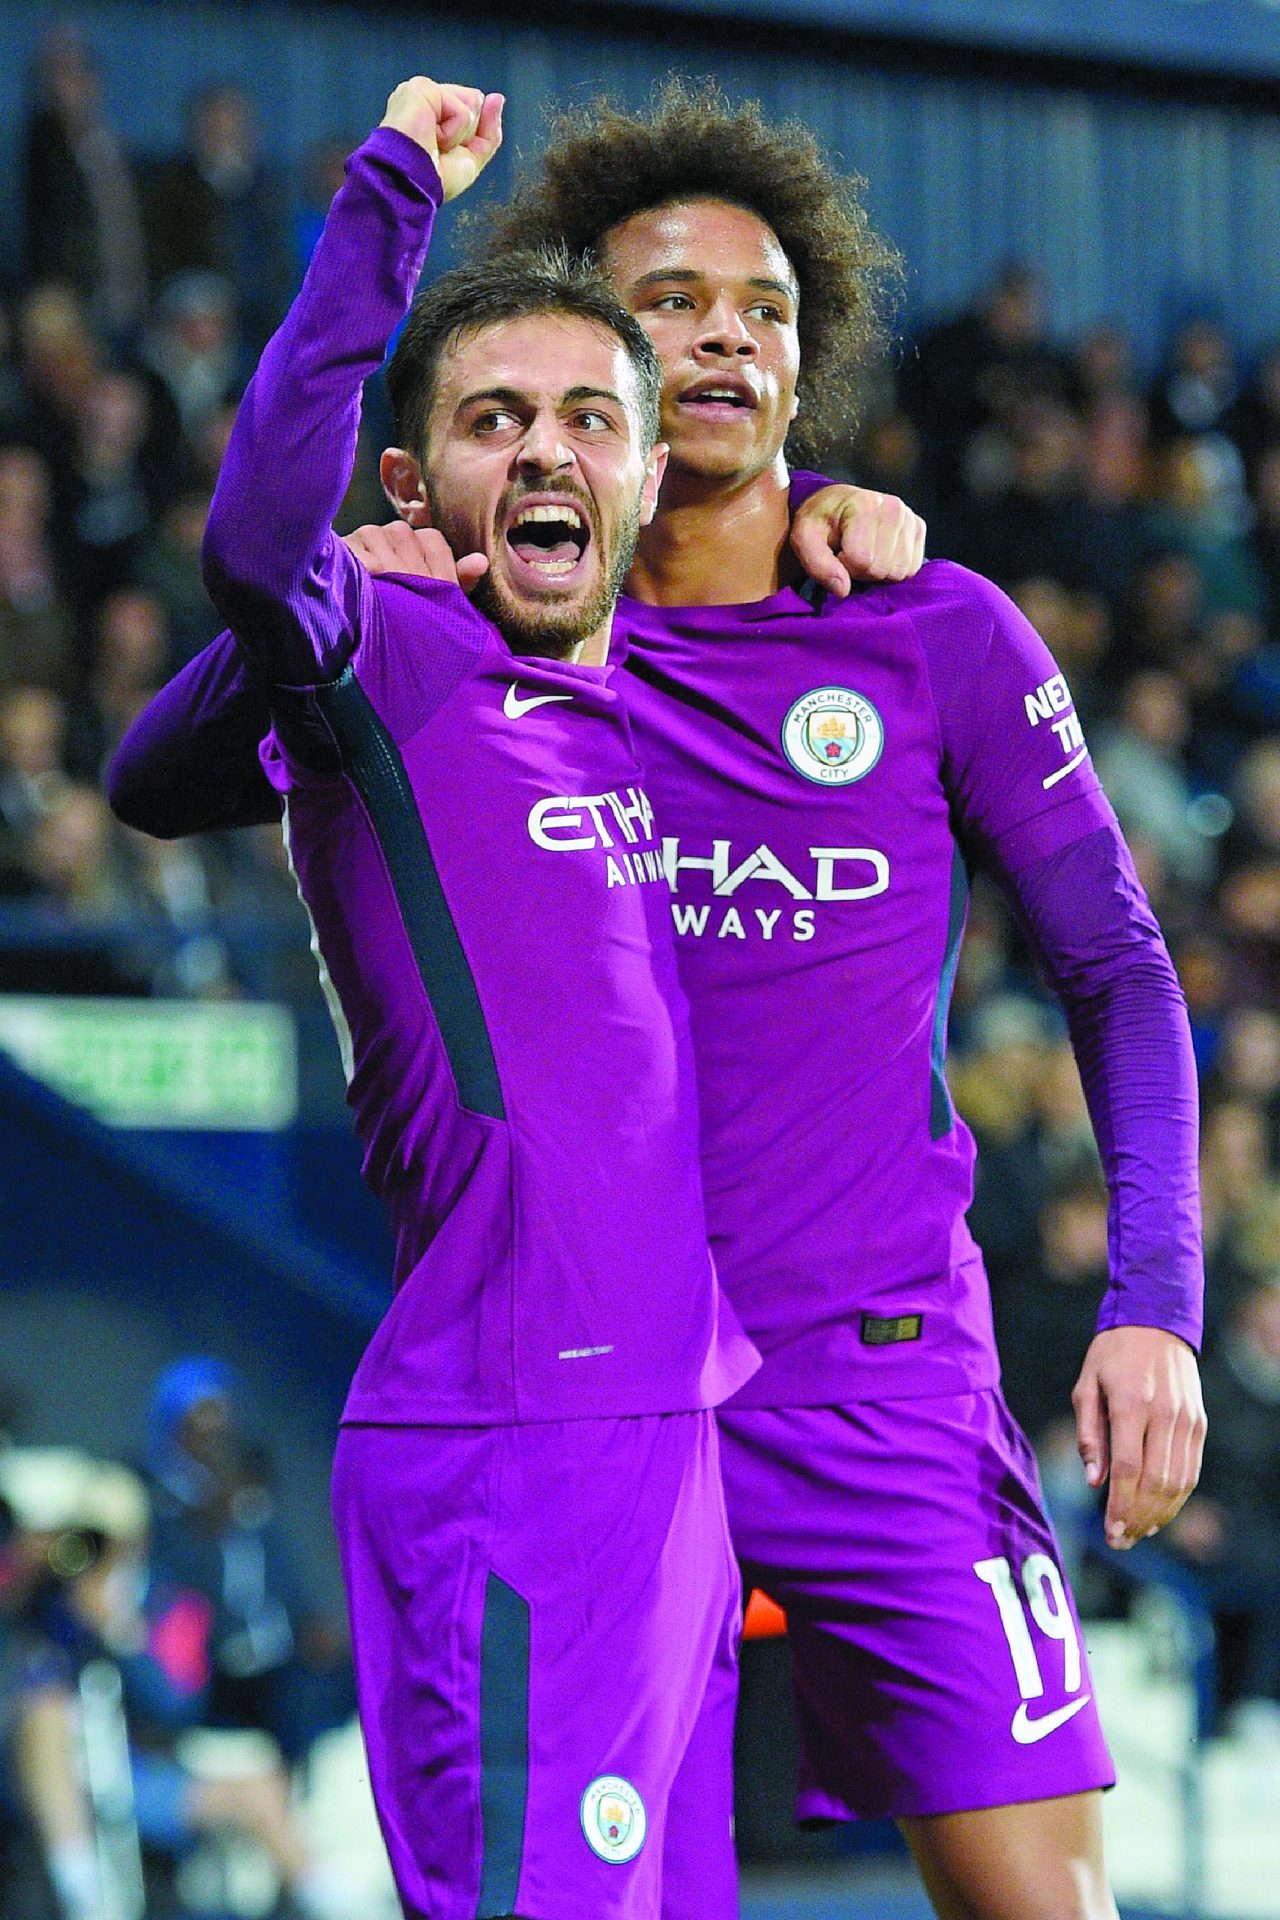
[{"x": 1047, "y": 1599}]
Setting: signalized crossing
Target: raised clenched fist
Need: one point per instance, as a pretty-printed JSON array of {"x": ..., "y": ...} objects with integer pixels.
[{"x": 460, "y": 127}]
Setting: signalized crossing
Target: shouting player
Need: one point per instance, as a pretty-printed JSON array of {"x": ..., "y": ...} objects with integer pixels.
[
  {"x": 543, "y": 1598},
  {"x": 827, "y": 770}
]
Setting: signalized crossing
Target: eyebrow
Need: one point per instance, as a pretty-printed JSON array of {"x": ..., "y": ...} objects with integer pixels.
[
  {"x": 687, "y": 275},
  {"x": 514, "y": 397}
]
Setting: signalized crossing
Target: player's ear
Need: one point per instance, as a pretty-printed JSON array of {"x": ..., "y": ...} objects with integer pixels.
[
  {"x": 655, "y": 467},
  {"x": 404, "y": 486}
]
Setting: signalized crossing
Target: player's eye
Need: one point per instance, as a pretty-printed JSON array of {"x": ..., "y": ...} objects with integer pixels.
[
  {"x": 592, "y": 420},
  {"x": 766, "y": 310},
  {"x": 673, "y": 303},
  {"x": 493, "y": 420}
]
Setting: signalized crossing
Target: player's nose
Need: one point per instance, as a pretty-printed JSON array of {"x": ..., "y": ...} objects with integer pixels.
[
  {"x": 543, "y": 447},
  {"x": 725, "y": 332}
]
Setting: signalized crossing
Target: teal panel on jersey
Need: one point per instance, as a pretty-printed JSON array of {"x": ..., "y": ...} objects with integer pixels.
[{"x": 941, "y": 1113}]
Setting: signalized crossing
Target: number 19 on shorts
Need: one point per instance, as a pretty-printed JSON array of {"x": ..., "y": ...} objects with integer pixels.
[{"x": 1046, "y": 1599}]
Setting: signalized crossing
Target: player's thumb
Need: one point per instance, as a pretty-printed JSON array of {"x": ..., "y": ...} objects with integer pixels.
[
  {"x": 1091, "y": 1429},
  {"x": 471, "y": 570}
]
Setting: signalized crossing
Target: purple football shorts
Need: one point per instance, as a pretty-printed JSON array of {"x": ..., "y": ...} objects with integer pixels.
[
  {"x": 545, "y": 1621},
  {"x": 939, "y": 1662}
]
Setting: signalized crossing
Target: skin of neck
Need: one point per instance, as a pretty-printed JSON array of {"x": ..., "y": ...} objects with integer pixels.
[
  {"x": 716, "y": 541},
  {"x": 594, "y": 652}
]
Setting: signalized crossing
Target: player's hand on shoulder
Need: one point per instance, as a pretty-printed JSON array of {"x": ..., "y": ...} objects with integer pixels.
[
  {"x": 842, "y": 534},
  {"x": 1140, "y": 1421},
  {"x": 418, "y": 551},
  {"x": 460, "y": 127}
]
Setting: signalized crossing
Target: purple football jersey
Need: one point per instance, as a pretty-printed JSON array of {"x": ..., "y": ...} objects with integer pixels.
[
  {"x": 825, "y": 772},
  {"x": 474, "y": 842}
]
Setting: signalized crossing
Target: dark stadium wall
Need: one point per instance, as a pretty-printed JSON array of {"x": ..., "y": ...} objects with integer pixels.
[
  {"x": 115, "y": 1263},
  {"x": 1134, "y": 205}
]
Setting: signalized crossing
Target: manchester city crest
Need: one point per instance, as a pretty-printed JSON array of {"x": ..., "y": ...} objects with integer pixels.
[
  {"x": 613, "y": 1818},
  {"x": 833, "y": 736}
]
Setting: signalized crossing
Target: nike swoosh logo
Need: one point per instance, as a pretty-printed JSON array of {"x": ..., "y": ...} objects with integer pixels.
[
  {"x": 513, "y": 706},
  {"x": 1027, "y": 1731}
]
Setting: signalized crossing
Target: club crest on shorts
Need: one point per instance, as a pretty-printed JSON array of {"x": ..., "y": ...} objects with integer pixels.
[
  {"x": 833, "y": 736},
  {"x": 613, "y": 1818}
]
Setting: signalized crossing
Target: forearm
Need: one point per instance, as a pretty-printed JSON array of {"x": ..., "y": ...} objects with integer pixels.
[
  {"x": 273, "y": 566},
  {"x": 1106, "y": 959},
  {"x": 189, "y": 762}
]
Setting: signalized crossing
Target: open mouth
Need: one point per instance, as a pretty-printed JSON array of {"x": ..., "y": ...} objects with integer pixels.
[
  {"x": 549, "y": 541},
  {"x": 719, "y": 399}
]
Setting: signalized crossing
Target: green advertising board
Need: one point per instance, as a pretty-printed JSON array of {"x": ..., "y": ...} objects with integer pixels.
[{"x": 160, "y": 1063}]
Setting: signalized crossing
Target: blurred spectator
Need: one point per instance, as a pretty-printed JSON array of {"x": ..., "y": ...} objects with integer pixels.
[
  {"x": 130, "y": 661},
  {"x": 99, "y": 1605},
  {"x": 36, "y": 632},
  {"x": 71, "y": 857},
  {"x": 1229, "y": 1531},
  {"x": 81, "y": 218},
  {"x": 1266, "y": 534},
  {"x": 275, "y": 1664},
  {"x": 890, "y": 456},
  {"x": 58, "y": 358},
  {"x": 169, "y": 568},
  {"x": 1203, "y": 961},
  {"x": 1139, "y": 764},
  {"x": 1237, "y": 1191},
  {"x": 104, "y": 509},
  {"x": 1198, "y": 507},
  {"x": 1248, "y": 1066},
  {"x": 33, "y": 728},
  {"x": 1198, "y": 388},
  {"x": 1018, "y": 1088},
  {"x": 1076, "y": 629},
  {"x": 192, "y": 362},
  {"x": 1113, "y": 472},
  {"x": 1164, "y": 614},
  {"x": 1255, "y": 419},
  {"x": 1102, "y": 369},
  {"x": 1035, "y": 521},
  {"x": 973, "y": 373},
  {"x": 1046, "y": 1322},
  {"x": 217, "y": 209}
]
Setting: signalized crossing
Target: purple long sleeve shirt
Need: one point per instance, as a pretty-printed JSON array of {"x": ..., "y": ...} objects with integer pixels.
[
  {"x": 474, "y": 845},
  {"x": 825, "y": 774}
]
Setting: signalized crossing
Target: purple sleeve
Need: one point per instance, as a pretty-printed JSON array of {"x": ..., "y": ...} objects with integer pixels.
[
  {"x": 1029, "y": 807},
  {"x": 1104, "y": 956},
  {"x": 287, "y": 586},
  {"x": 803, "y": 487},
  {"x": 189, "y": 762}
]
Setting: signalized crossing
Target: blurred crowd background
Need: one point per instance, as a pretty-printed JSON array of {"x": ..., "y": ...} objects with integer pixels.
[{"x": 1129, "y": 504}]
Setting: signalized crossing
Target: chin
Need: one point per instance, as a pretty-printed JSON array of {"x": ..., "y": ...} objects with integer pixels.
[
  {"x": 551, "y": 624},
  {"x": 708, "y": 459}
]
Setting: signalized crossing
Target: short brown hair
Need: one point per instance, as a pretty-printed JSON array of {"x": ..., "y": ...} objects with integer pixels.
[
  {"x": 531, "y": 280},
  {"x": 604, "y": 164}
]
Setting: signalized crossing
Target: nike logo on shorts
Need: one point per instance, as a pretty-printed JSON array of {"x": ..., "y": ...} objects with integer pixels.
[
  {"x": 1027, "y": 1731},
  {"x": 513, "y": 706}
]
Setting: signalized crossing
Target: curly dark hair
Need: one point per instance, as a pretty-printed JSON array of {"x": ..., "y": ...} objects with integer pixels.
[{"x": 603, "y": 164}]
